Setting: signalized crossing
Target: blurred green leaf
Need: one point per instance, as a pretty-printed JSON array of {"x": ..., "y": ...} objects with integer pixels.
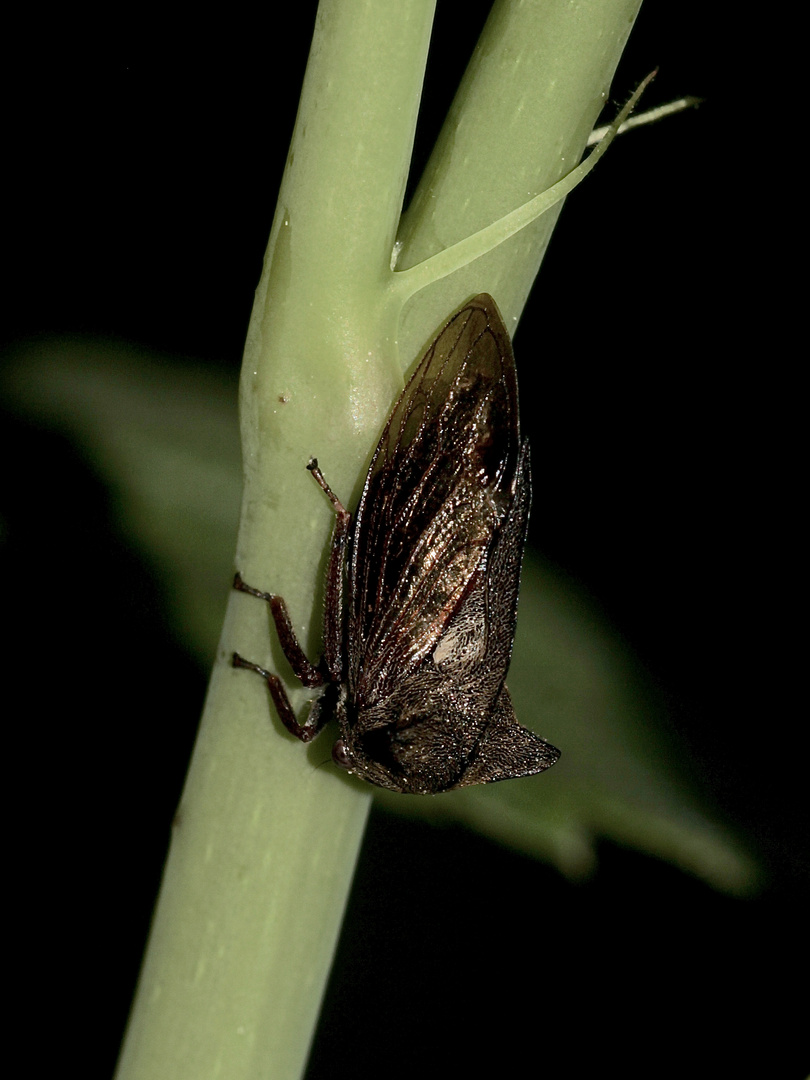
[
  {"x": 164, "y": 435},
  {"x": 621, "y": 774}
]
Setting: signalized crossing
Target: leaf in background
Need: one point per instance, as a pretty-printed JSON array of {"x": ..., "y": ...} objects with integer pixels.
[
  {"x": 164, "y": 434},
  {"x": 621, "y": 775}
]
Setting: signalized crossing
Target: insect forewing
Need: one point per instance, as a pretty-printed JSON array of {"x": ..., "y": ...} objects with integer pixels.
[{"x": 440, "y": 482}]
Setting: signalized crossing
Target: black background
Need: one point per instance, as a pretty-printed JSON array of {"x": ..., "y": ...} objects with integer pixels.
[{"x": 142, "y": 165}]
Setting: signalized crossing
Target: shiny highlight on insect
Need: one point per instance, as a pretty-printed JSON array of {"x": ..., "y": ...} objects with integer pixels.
[{"x": 422, "y": 581}]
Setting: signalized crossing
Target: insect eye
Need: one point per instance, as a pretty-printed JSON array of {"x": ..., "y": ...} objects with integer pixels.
[{"x": 342, "y": 755}]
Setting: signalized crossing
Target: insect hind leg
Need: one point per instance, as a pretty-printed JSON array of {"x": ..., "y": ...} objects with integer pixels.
[
  {"x": 307, "y": 731},
  {"x": 304, "y": 670}
]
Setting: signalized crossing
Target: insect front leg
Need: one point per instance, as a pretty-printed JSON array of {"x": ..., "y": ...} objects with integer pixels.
[
  {"x": 317, "y": 717},
  {"x": 335, "y": 572}
]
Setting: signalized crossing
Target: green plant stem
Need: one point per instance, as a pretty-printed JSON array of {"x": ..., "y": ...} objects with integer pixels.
[
  {"x": 408, "y": 282},
  {"x": 519, "y": 123},
  {"x": 265, "y": 841}
]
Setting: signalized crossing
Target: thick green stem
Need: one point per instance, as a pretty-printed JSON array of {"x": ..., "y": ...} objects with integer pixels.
[
  {"x": 407, "y": 283},
  {"x": 265, "y": 840},
  {"x": 519, "y": 123}
]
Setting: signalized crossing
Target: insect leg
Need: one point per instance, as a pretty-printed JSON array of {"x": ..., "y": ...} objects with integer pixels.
[
  {"x": 333, "y": 597},
  {"x": 306, "y": 672},
  {"x": 317, "y": 717}
]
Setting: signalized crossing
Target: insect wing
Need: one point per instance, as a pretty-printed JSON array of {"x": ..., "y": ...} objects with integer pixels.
[{"x": 440, "y": 483}]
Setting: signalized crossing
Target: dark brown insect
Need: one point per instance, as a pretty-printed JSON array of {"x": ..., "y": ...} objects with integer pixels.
[{"x": 415, "y": 658}]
